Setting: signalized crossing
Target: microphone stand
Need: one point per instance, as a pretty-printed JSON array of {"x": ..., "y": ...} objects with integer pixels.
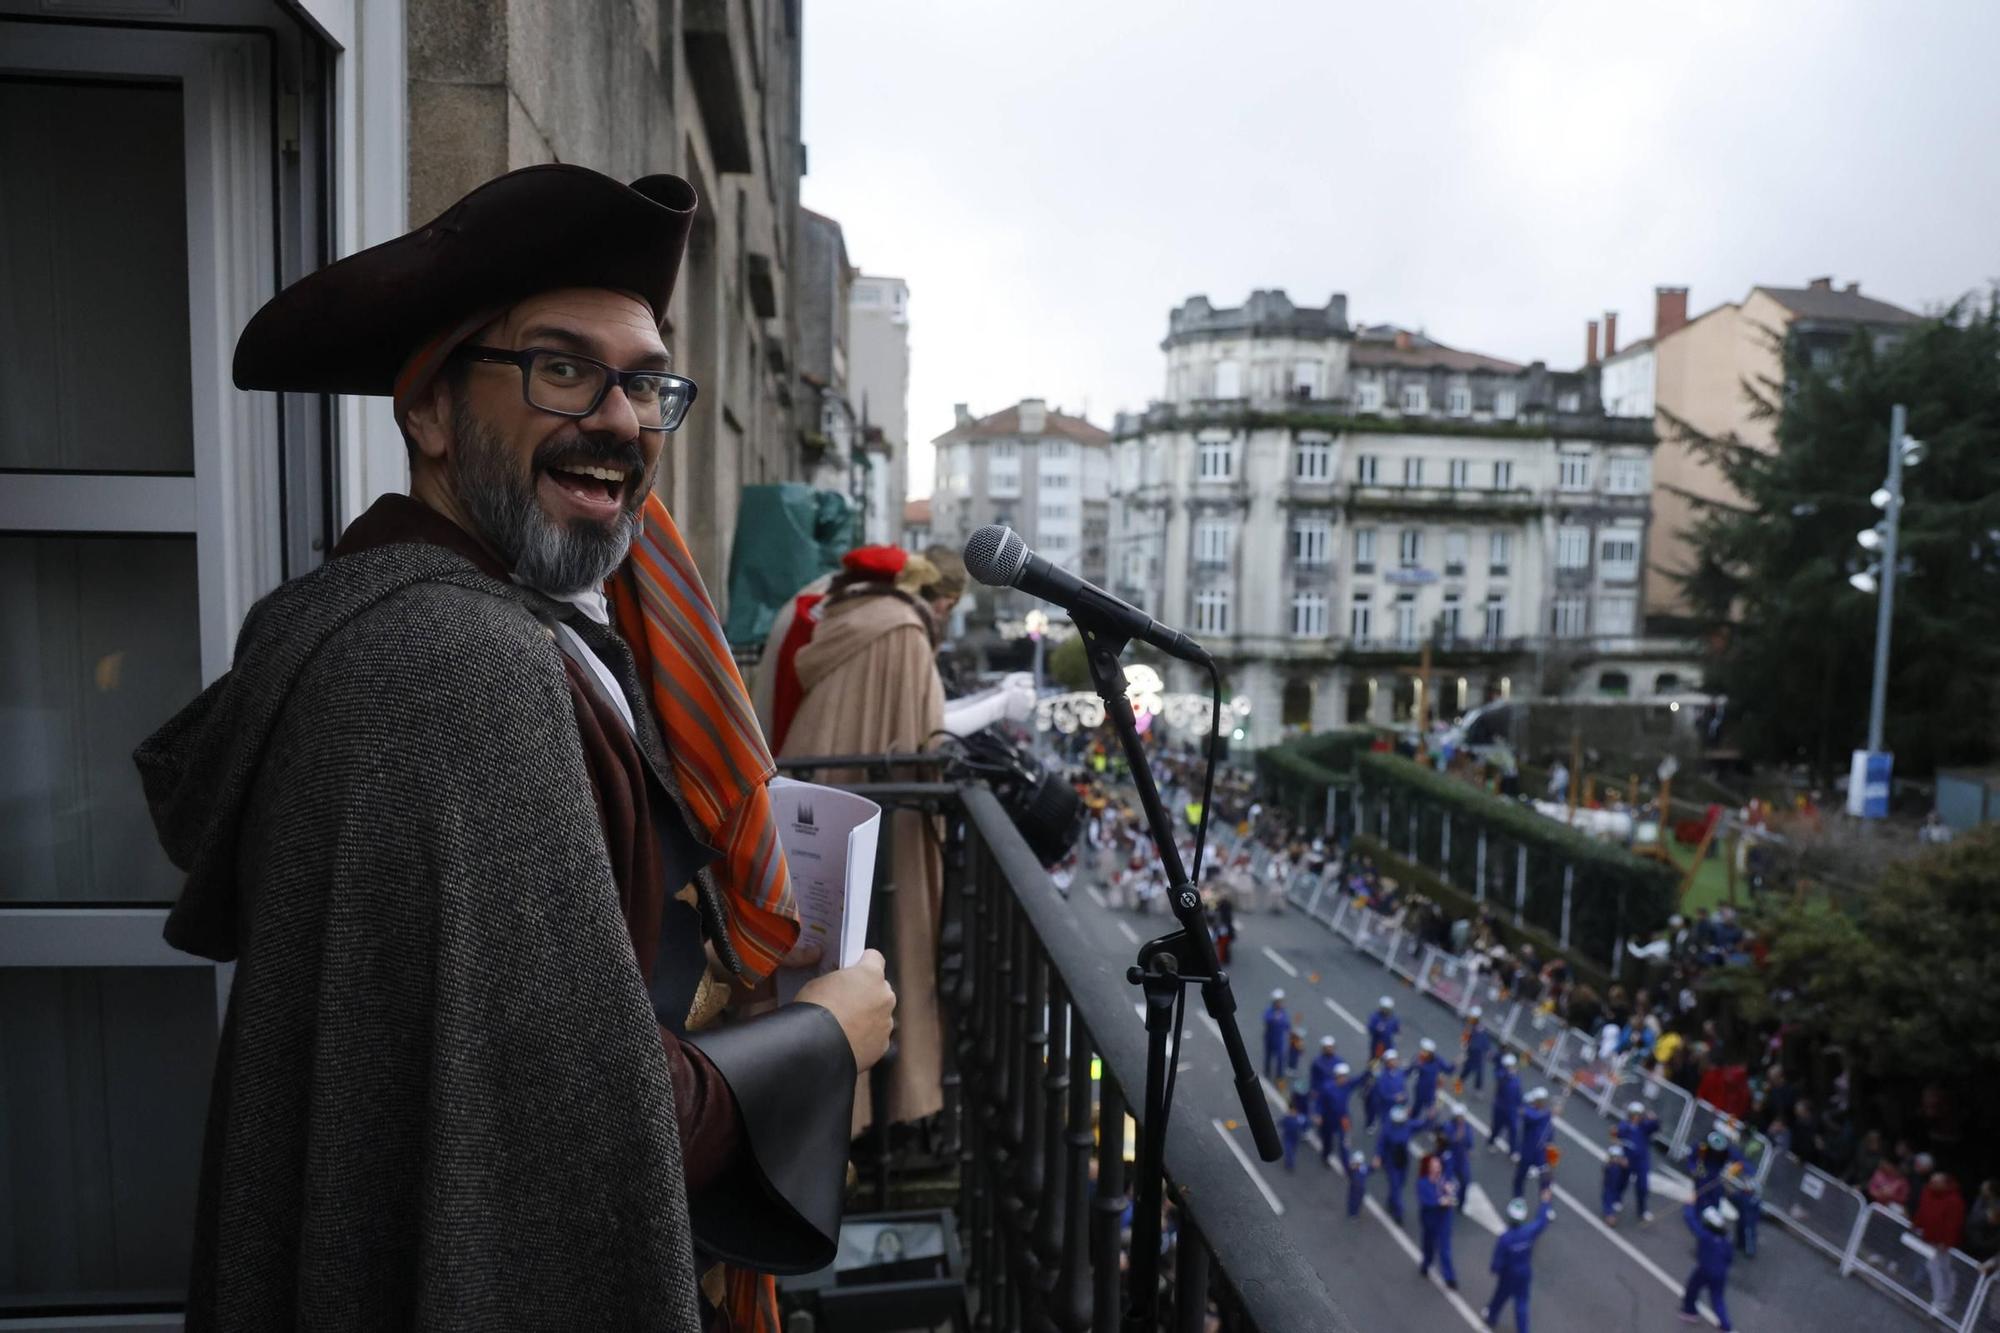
[{"x": 1184, "y": 957}]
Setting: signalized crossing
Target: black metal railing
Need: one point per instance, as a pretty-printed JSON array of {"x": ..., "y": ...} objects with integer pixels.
[{"x": 1041, "y": 1039}]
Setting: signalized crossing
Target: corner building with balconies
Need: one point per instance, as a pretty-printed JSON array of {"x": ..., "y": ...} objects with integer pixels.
[{"x": 1318, "y": 501}]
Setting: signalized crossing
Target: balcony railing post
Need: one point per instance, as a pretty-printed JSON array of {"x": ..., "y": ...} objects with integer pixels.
[
  {"x": 1050, "y": 1156},
  {"x": 1071, "y": 1300},
  {"x": 1190, "y": 1279},
  {"x": 952, "y": 963},
  {"x": 1024, "y": 1182},
  {"x": 1108, "y": 1212}
]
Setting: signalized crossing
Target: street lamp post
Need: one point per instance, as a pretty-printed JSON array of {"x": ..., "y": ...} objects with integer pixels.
[{"x": 1868, "y": 778}]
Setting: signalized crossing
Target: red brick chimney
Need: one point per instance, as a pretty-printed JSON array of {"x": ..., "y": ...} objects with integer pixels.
[
  {"x": 1590, "y": 342},
  {"x": 1820, "y": 284},
  {"x": 1670, "y": 310},
  {"x": 1402, "y": 340},
  {"x": 1610, "y": 334}
]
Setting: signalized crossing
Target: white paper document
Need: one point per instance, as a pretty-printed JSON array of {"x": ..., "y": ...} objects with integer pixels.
[{"x": 829, "y": 837}]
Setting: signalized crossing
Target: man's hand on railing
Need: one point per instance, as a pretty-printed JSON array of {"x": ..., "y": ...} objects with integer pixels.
[{"x": 861, "y": 998}]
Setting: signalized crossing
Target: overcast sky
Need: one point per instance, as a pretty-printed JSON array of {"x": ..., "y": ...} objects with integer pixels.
[{"x": 1052, "y": 177}]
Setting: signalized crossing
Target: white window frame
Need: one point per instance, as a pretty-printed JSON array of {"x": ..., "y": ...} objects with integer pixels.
[
  {"x": 1214, "y": 540},
  {"x": 1410, "y": 548},
  {"x": 1416, "y": 399},
  {"x": 1364, "y": 550},
  {"x": 1413, "y": 470},
  {"x": 1368, "y": 395},
  {"x": 1367, "y": 469},
  {"x": 1458, "y": 401},
  {"x": 1496, "y": 617},
  {"x": 1506, "y": 404},
  {"x": 1572, "y": 470},
  {"x": 1361, "y": 617},
  {"x": 1457, "y": 552},
  {"x": 1572, "y": 547},
  {"x": 1458, "y": 474},
  {"x": 1228, "y": 379},
  {"x": 1308, "y": 615},
  {"x": 1215, "y": 460},
  {"x": 1626, "y": 607},
  {"x": 1312, "y": 459},
  {"x": 1311, "y": 542},
  {"x": 1211, "y": 611},
  {"x": 1408, "y": 631},
  {"x": 1619, "y": 566},
  {"x": 1625, "y": 476},
  {"x": 1499, "y": 553},
  {"x": 1568, "y": 616},
  {"x": 1451, "y": 623},
  {"x": 1503, "y": 474}
]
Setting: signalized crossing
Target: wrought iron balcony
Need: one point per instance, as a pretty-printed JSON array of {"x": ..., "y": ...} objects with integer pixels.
[{"x": 1041, "y": 1042}]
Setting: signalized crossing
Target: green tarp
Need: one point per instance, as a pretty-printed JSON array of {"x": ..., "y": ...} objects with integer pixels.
[{"x": 787, "y": 535}]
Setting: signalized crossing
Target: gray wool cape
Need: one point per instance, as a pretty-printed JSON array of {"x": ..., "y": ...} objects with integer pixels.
[{"x": 439, "y": 1100}]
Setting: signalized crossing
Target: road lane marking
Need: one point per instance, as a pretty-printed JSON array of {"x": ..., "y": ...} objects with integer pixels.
[
  {"x": 1416, "y": 1253},
  {"x": 1129, "y": 933},
  {"x": 1097, "y": 896},
  {"x": 1352, "y": 1021},
  {"x": 1277, "y": 958},
  {"x": 1277, "y": 1098},
  {"x": 1479, "y": 1207},
  {"x": 1243, "y": 1160}
]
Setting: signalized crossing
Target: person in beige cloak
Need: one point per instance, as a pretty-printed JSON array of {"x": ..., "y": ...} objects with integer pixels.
[{"x": 871, "y": 687}]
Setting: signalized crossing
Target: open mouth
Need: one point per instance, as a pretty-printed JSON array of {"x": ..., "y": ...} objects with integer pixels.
[{"x": 593, "y": 486}]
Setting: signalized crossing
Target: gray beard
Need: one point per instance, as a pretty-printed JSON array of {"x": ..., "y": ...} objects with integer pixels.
[{"x": 557, "y": 559}]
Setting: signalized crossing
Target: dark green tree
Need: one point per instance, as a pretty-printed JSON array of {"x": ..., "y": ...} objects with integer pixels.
[{"x": 1791, "y": 641}]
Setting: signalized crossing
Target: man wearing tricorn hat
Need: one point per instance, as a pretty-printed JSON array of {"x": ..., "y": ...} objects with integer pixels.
[{"x": 479, "y": 813}]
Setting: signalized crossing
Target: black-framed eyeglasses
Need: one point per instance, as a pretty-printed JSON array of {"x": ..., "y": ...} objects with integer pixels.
[{"x": 570, "y": 384}]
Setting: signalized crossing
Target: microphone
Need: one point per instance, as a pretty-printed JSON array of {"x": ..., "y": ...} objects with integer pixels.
[{"x": 997, "y": 557}]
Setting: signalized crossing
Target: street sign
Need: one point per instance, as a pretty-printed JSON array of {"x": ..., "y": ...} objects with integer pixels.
[{"x": 1868, "y": 784}]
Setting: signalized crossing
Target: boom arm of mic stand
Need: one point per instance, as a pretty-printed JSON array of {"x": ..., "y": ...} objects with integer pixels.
[{"x": 1101, "y": 652}]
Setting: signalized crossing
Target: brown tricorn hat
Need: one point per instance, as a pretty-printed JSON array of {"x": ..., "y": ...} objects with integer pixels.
[{"x": 351, "y": 326}]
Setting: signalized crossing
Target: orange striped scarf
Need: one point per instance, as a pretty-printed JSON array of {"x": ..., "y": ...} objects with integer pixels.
[
  {"x": 718, "y": 752},
  {"x": 722, "y": 763}
]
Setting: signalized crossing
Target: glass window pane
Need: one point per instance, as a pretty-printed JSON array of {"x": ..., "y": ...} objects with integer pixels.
[
  {"x": 101, "y": 648},
  {"x": 93, "y": 278},
  {"x": 103, "y": 1087}
]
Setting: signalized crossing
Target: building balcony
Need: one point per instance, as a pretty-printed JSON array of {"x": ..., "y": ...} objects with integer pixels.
[
  {"x": 1382, "y": 497},
  {"x": 1041, "y": 1047},
  {"x": 1454, "y": 649}
]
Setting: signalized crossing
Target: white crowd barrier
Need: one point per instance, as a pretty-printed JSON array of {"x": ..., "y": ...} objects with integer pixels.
[{"x": 1889, "y": 1252}]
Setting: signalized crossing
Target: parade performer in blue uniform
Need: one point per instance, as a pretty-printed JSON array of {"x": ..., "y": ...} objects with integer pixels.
[
  {"x": 1506, "y": 1106},
  {"x": 1742, "y": 1192},
  {"x": 1383, "y": 1025},
  {"x": 1428, "y": 1070},
  {"x": 1387, "y": 1088},
  {"x": 1437, "y": 1200},
  {"x": 1513, "y": 1258},
  {"x": 1332, "y": 1111},
  {"x": 1617, "y": 1170},
  {"x": 1636, "y": 1132},
  {"x": 1711, "y": 1267},
  {"x": 1537, "y": 1127},
  {"x": 1277, "y": 1032},
  {"x": 1320, "y": 1073},
  {"x": 1292, "y": 1128},
  {"x": 1474, "y": 1044},
  {"x": 1710, "y": 1167},
  {"x": 1393, "y": 1150},
  {"x": 1455, "y": 1142},
  {"x": 1357, "y": 1181}
]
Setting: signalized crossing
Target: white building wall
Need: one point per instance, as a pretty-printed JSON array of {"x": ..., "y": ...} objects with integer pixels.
[{"x": 1627, "y": 384}]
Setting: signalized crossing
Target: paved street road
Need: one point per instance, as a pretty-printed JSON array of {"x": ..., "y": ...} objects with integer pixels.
[{"x": 1587, "y": 1277}]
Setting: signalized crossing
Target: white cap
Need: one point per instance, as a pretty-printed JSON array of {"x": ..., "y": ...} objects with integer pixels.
[
  {"x": 1538, "y": 1094},
  {"x": 1385, "y": 1003},
  {"x": 1635, "y": 1108},
  {"x": 1713, "y": 1217},
  {"x": 1617, "y": 1152},
  {"x": 1517, "y": 1211},
  {"x": 1427, "y": 1046},
  {"x": 1474, "y": 1012},
  {"x": 1326, "y": 1043},
  {"x": 1340, "y": 1069},
  {"x": 1357, "y": 1158},
  {"x": 1278, "y": 994},
  {"x": 1455, "y": 1109},
  {"x": 1399, "y": 1113},
  {"x": 1390, "y": 1054},
  {"x": 1508, "y": 1061},
  {"x": 1727, "y": 1209}
]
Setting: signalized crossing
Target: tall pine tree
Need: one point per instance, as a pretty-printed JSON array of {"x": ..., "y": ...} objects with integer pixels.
[{"x": 1792, "y": 642}]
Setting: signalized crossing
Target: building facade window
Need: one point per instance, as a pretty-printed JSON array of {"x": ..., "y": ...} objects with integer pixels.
[
  {"x": 1416, "y": 399},
  {"x": 1505, "y": 404},
  {"x": 1305, "y": 379},
  {"x": 1364, "y": 550},
  {"x": 1368, "y": 395},
  {"x": 1456, "y": 473},
  {"x": 1211, "y": 611},
  {"x": 1058, "y": 481},
  {"x": 1569, "y": 402},
  {"x": 1413, "y": 471},
  {"x": 1312, "y": 460},
  {"x": 1458, "y": 400},
  {"x": 1215, "y": 460},
  {"x": 1003, "y": 478},
  {"x": 1457, "y": 543},
  {"x": 1360, "y": 618},
  {"x": 1625, "y": 476},
  {"x": 1410, "y": 548},
  {"x": 1499, "y": 552},
  {"x": 1566, "y": 617},
  {"x": 1055, "y": 451},
  {"x": 1308, "y": 615},
  {"x": 1448, "y": 618},
  {"x": 1618, "y": 555},
  {"x": 1406, "y": 618},
  {"x": 1006, "y": 449},
  {"x": 1367, "y": 467},
  {"x": 1311, "y": 538},
  {"x": 1503, "y": 475},
  {"x": 1572, "y": 471},
  {"x": 1214, "y": 541},
  {"x": 1572, "y": 548},
  {"x": 1496, "y": 617},
  {"x": 1615, "y": 613},
  {"x": 1228, "y": 379}
]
